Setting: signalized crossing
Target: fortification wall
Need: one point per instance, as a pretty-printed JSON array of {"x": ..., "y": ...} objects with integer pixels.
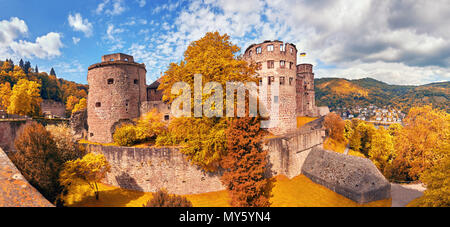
[
  {"x": 287, "y": 153},
  {"x": 50, "y": 107},
  {"x": 8, "y": 133},
  {"x": 149, "y": 169}
]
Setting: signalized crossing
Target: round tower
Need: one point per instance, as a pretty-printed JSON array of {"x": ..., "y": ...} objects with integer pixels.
[
  {"x": 117, "y": 88},
  {"x": 306, "y": 105},
  {"x": 277, "y": 62}
]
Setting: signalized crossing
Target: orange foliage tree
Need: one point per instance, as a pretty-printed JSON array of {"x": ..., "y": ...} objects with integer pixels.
[
  {"x": 423, "y": 140},
  {"x": 334, "y": 126},
  {"x": 245, "y": 164}
]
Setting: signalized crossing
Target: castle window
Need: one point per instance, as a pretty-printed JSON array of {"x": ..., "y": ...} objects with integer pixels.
[
  {"x": 271, "y": 79},
  {"x": 282, "y": 48},
  {"x": 282, "y": 64},
  {"x": 110, "y": 81},
  {"x": 275, "y": 99},
  {"x": 270, "y": 48},
  {"x": 136, "y": 81},
  {"x": 290, "y": 65},
  {"x": 166, "y": 117},
  {"x": 270, "y": 64},
  {"x": 98, "y": 104},
  {"x": 258, "y": 50},
  {"x": 292, "y": 50},
  {"x": 112, "y": 59},
  {"x": 91, "y": 134},
  {"x": 258, "y": 65},
  {"x": 282, "y": 80},
  {"x": 126, "y": 59},
  {"x": 290, "y": 80},
  {"x": 250, "y": 53}
]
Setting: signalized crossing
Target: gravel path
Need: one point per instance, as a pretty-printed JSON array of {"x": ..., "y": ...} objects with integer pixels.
[{"x": 402, "y": 194}]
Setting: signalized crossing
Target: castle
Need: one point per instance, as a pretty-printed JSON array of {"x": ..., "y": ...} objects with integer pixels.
[{"x": 118, "y": 92}]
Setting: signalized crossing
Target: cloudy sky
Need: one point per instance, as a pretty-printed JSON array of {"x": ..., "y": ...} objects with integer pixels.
[{"x": 398, "y": 42}]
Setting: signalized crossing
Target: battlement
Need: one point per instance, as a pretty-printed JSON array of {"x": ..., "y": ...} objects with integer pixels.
[
  {"x": 304, "y": 68},
  {"x": 117, "y": 57}
]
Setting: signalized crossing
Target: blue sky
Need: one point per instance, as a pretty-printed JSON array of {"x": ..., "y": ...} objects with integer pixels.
[{"x": 398, "y": 42}]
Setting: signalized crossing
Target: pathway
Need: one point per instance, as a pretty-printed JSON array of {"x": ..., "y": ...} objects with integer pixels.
[{"x": 402, "y": 194}]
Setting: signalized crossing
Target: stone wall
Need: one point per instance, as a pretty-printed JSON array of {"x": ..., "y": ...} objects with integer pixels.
[
  {"x": 149, "y": 169},
  {"x": 287, "y": 153},
  {"x": 353, "y": 177},
  {"x": 8, "y": 133},
  {"x": 50, "y": 107},
  {"x": 15, "y": 191}
]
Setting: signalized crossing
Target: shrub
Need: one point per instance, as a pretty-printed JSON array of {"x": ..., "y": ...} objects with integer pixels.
[
  {"x": 126, "y": 135},
  {"x": 65, "y": 141},
  {"x": 39, "y": 159},
  {"x": 162, "y": 199}
]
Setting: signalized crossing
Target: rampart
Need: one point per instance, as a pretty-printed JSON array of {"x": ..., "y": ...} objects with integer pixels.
[{"x": 152, "y": 168}]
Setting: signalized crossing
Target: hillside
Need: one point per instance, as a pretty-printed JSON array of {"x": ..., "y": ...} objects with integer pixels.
[{"x": 338, "y": 92}]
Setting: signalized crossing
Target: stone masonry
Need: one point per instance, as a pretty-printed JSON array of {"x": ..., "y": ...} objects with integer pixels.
[{"x": 353, "y": 177}]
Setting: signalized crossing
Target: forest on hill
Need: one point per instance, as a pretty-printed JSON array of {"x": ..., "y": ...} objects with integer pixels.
[
  {"x": 52, "y": 88},
  {"x": 339, "y": 92}
]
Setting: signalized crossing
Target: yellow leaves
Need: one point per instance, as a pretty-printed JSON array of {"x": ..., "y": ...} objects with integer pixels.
[
  {"x": 71, "y": 102},
  {"x": 91, "y": 168},
  {"x": 82, "y": 105},
  {"x": 5, "y": 94},
  {"x": 213, "y": 56},
  {"x": 25, "y": 98}
]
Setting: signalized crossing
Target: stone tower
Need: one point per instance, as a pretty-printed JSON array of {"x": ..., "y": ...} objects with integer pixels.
[
  {"x": 306, "y": 105},
  {"x": 117, "y": 87},
  {"x": 277, "y": 63}
]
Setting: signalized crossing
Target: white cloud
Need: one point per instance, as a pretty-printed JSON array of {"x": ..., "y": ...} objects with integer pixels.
[
  {"x": 79, "y": 24},
  {"x": 46, "y": 46},
  {"x": 141, "y": 3},
  {"x": 75, "y": 40},
  {"x": 402, "y": 42},
  {"x": 113, "y": 38},
  {"x": 111, "y": 7}
]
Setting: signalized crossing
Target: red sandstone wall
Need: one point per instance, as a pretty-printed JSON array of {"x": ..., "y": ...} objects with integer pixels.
[
  {"x": 287, "y": 91},
  {"x": 120, "y": 100},
  {"x": 53, "y": 108}
]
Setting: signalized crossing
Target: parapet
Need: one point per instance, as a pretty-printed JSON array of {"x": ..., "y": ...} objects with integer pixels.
[
  {"x": 304, "y": 68},
  {"x": 117, "y": 57}
]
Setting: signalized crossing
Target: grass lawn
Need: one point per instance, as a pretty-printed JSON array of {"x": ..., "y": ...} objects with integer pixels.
[{"x": 296, "y": 192}]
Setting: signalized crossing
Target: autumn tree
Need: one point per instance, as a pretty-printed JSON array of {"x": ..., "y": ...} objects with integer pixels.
[
  {"x": 150, "y": 125},
  {"x": 25, "y": 98},
  {"x": 334, "y": 126},
  {"x": 163, "y": 199},
  {"x": 437, "y": 181},
  {"x": 81, "y": 105},
  {"x": 71, "y": 102},
  {"x": 5, "y": 95},
  {"x": 362, "y": 136},
  {"x": 39, "y": 159},
  {"x": 90, "y": 169},
  {"x": 65, "y": 142},
  {"x": 382, "y": 151},
  {"x": 423, "y": 140},
  {"x": 214, "y": 57},
  {"x": 245, "y": 164}
]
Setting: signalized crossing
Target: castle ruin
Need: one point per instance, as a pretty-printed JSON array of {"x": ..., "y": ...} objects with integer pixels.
[{"x": 118, "y": 92}]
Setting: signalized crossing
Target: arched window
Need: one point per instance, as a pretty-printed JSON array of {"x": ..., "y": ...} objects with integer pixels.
[
  {"x": 136, "y": 81},
  {"x": 98, "y": 104},
  {"x": 110, "y": 81}
]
